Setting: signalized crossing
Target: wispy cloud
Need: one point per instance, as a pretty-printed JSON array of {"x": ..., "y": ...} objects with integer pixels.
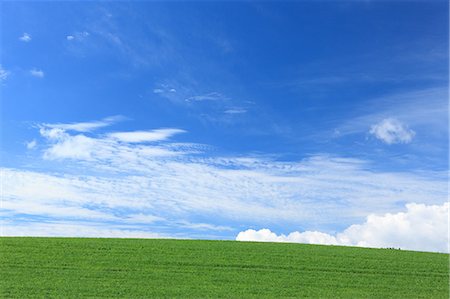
[
  {"x": 425, "y": 109},
  {"x": 145, "y": 136},
  {"x": 3, "y": 73},
  {"x": 37, "y": 73},
  {"x": 128, "y": 182},
  {"x": 212, "y": 96},
  {"x": 391, "y": 130},
  {"x": 173, "y": 91},
  {"x": 153, "y": 48},
  {"x": 25, "y": 37},
  {"x": 205, "y": 226},
  {"x": 84, "y": 126},
  {"x": 235, "y": 110},
  {"x": 75, "y": 229},
  {"x": 212, "y": 107},
  {"x": 421, "y": 227},
  {"x": 77, "y": 36},
  {"x": 164, "y": 89}
]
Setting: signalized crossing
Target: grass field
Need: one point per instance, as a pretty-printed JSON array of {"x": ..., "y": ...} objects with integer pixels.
[{"x": 129, "y": 268}]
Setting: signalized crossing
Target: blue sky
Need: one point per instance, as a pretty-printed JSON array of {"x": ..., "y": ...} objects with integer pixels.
[{"x": 221, "y": 119}]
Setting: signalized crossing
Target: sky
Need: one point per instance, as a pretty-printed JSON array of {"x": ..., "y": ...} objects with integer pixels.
[{"x": 322, "y": 122}]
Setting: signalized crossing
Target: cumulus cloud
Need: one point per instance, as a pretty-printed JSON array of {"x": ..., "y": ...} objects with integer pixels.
[
  {"x": 25, "y": 37},
  {"x": 145, "y": 136},
  {"x": 265, "y": 235},
  {"x": 70, "y": 147},
  {"x": 3, "y": 73},
  {"x": 391, "y": 130},
  {"x": 37, "y": 73},
  {"x": 422, "y": 227}
]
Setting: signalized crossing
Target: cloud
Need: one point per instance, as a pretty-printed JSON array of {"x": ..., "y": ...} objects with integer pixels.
[
  {"x": 120, "y": 180},
  {"x": 32, "y": 144},
  {"x": 75, "y": 229},
  {"x": 25, "y": 37},
  {"x": 236, "y": 110},
  {"x": 290, "y": 189},
  {"x": 3, "y": 73},
  {"x": 71, "y": 147},
  {"x": 422, "y": 227},
  {"x": 392, "y": 131},
  {"x": 205, "y": 226},
  {"x": 213, "y": 106},
  {"x": 145, "y": 136},
  {"x": 143, "y": 218},
  {"x": 77, "y": 36},
  {"x": 83, "y": 126},
  {"x": 212, "y": 96},
  {"x": 426, "y": 110},
  {"x": 65, "y": 145},
  {"x": 265, "y": 235},
  {"x": 37, "y": 73}
]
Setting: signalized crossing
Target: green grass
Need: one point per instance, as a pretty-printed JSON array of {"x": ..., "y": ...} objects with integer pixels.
[{"x": 129, "y": 268}]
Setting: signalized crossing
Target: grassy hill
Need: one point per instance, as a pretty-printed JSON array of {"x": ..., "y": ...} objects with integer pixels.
[{"x": 73, "y": 267}]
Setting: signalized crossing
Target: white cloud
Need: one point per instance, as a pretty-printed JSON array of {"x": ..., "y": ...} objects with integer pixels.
[
  {"x": 143, "y": 218},
  {"x": 320, "y": 185},
  {"x": 32, "y": 144},
  {"x": 171, "y": 91},
  {"x": 82, "y": 126},
  {"x": 265, "y": 235},
  {"x": 392, "y": 131},
  {"x": 25, "y": 37},
  {"x": 421, "y": 227},
  {"x": 205, "y": 226},
  {"x": 74, "y": 229},
  {"x": 3, "y": 73},
  {"x": 425, "y": 110},
  {"x": 145, "y": 136},
  {"x": 52, "y": 133},
  {"x": 37, "y": 73},
  {"x": 212, "y": 96},
  {"x": 98, "y": 177},
  {"x": 235, "y": 111},
  {"x": 71, "y": 147},
  {"x": 77, "y": 36},
  {"x": 112, "y": 147}
]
